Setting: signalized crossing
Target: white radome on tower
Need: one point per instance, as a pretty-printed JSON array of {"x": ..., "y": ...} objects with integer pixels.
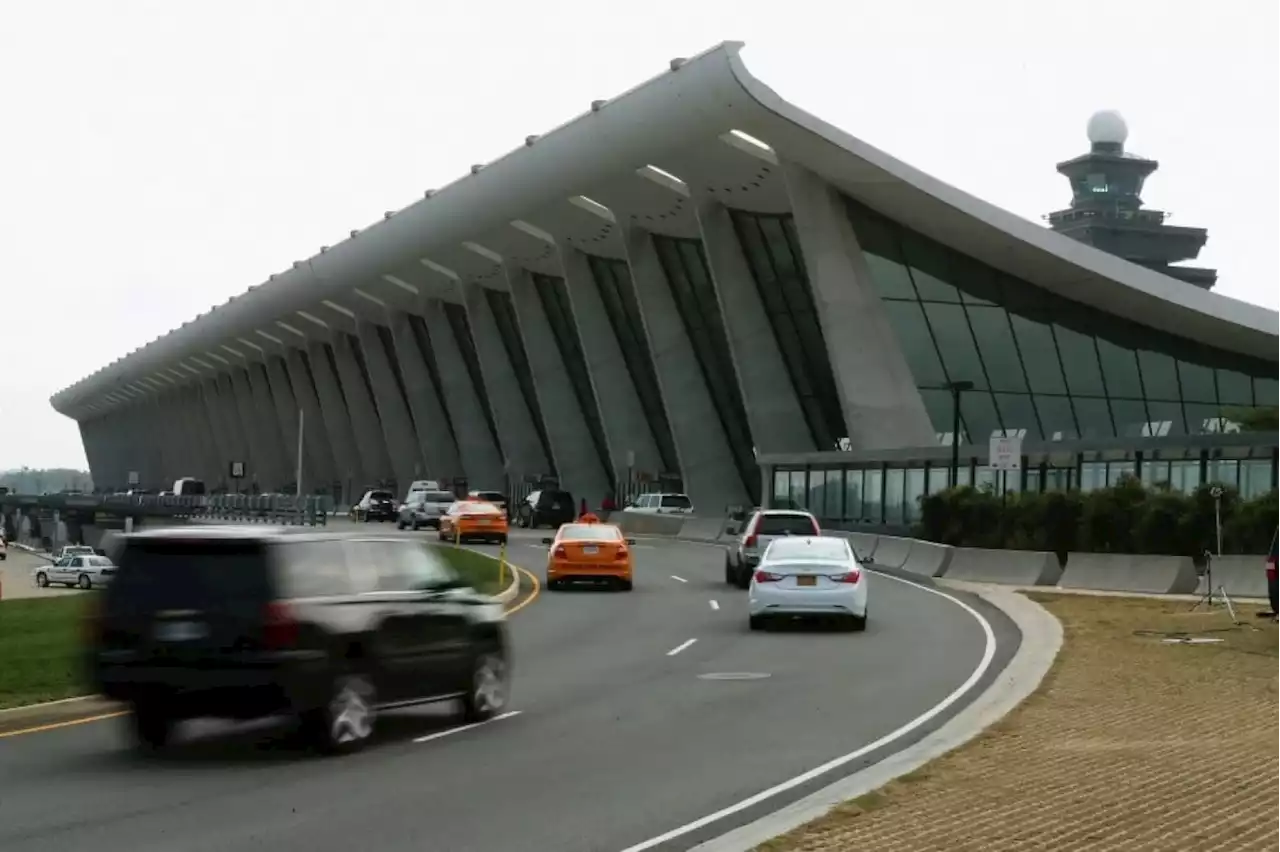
[{"x": 1107, "y": 126}]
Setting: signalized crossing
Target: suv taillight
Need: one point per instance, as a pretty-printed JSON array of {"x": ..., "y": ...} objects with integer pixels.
[
  {"x": 766, "y": 577},
  {"x": 750, "y": 541},
  {"x": 279, "y": 627}
]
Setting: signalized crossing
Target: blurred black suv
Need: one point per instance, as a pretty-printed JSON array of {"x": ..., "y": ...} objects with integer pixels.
[
  {"x": 241, "y": 623},
  {"x": 549, "y": 507}
]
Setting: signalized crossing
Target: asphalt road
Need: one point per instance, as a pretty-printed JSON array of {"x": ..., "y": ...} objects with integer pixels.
[{"x": 618, "y": 739}]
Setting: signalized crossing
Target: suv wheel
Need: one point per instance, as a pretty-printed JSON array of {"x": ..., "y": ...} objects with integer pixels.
[
  {"x": 345, "y": 722},
  {"x": 486, "y": 694},
  {"x": 152, "y": 723}
]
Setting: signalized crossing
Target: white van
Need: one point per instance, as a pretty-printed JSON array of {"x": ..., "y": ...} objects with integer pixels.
[
  {"x": 189, "y": 486},
  {"x": 421, "y": 485}
]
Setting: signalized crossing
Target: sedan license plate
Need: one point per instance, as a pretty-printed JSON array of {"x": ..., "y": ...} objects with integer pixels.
[
  {"x": 806, "y": 581},
  {"x": 484, "y": 521},
  {"x": 590, "y": 550},
  {"x": 181, "y": 631}
]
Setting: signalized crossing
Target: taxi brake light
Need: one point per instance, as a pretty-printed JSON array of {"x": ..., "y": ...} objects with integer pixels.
[{"x": 560, "y": 552}]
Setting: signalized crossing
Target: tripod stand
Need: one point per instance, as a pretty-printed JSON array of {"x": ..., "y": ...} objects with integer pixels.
[{"x": 1212, "y": 595}]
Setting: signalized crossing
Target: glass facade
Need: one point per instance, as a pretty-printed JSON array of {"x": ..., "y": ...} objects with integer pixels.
[
  {"x": 461, "y": 328},
  {"x": 613, "y": 282},
  {"x": 772, "y": 251},
  {"x": 504, "y": 315},
  {"x": 684, "y": 264},
  {"x": 1043, "y": 366},
  {"x": 554, "y": 296},
  {"x": 422, "y": 339}
]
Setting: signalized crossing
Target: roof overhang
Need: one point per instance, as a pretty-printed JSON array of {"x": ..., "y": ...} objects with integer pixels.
[{"x": 677, "y": 117}]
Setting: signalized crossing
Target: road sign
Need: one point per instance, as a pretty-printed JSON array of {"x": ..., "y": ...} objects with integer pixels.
[
  {"x": 134, "y": 478},
  {"x": 1005, "y": 453},
  {"x": 237, "y": 470}
]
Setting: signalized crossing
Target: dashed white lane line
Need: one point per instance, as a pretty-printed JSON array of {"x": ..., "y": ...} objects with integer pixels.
[
  {"x": 451, "y": 731},
  {"x": 677, "y": 649},
  {"x": 715, "y": 604},
  {"x": 679, "y": 579}
]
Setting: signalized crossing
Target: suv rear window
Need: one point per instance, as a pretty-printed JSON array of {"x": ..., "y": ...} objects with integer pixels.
[
  {"x": 786, "y": 524},
  {"x": 491, "y": 496},
  {"x": 380, "y": 495},
  {"x": 676, "y": 501},
  {"x": 547, "y": 499},
  {"x": 439, "y": 497},
  {"x": 208, "y": 574}
]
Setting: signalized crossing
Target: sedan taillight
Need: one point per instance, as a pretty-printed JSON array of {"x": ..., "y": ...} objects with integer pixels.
[
  {"x": 621, "y": 554},
  {"x": 767, "y": 577},
  {"x": 561, "y": 552},
  {"x": 851, "y": 577}
]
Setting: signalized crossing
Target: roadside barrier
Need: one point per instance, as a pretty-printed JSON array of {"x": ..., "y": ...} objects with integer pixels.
[
  {"x": 643, "y": 524},
  {"x": 1013, "y": 567},
  {"x": 1125, "y": 572},
  {"x": 1241, "y": 576}
]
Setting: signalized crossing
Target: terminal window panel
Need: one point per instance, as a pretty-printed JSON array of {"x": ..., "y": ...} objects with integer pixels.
[
  {"x": 504, "y": 316},
  {"x": 461, "y": 327},
  {"x": 1042, "y": 365},
  {"x": 684, "y": 265},
  {"x": 613, "y": 281},
  {"x": 422, "y": 338},
  {"x": 553, "y": 294}
]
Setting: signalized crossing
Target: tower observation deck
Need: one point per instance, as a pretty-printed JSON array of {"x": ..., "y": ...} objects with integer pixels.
[{"x": 1106, "y": 209}]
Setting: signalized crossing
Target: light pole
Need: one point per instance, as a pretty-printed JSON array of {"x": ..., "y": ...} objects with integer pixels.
[{"x": 956, "y": 389}]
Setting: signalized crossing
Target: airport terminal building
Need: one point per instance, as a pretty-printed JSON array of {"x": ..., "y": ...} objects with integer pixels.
[{"x": 697, "y": 286}]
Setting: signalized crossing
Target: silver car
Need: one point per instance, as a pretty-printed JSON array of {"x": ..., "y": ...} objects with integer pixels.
[
  {"x": 424, "y": 508},
  {"x": 761, "y": 528}
]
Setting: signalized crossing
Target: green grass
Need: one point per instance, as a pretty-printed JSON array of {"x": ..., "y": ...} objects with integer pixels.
[
  {"x": 40, "y": 650},
  {"x": 479, "y": 570}
]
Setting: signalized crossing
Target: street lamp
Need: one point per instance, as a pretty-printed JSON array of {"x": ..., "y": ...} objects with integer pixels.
[{"x": 956, "y": 389}]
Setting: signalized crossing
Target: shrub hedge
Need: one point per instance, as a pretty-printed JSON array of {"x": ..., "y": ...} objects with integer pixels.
[{"x": 1125, "y": 518}]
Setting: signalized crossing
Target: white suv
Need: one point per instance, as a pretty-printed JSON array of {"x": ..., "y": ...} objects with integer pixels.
[
  {"x": 661, "y": 504},
  {"x": 763, "y": 527}
]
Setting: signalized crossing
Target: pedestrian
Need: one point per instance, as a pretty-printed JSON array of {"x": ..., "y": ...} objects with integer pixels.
[{"x": 608, "y": 505}]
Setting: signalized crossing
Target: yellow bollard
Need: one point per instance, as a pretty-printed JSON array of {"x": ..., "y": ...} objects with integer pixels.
[
  {"x": 502, "y": 565},
  {"x": 457, "y": 536}
]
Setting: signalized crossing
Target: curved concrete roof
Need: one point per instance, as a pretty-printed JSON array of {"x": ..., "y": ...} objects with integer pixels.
[{"x": 670, "y": 119}]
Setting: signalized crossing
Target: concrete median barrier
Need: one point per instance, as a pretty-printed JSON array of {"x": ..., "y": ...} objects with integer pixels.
[
  {"x": 1124, "y": 572},
  {"x": 863, "y": 544},
  {"x": 636, "y": 523},
  {"x": 1012, "y": 567},
  {"x": 1241, "y": 576},
  {"x": 928, "y": 558},
  {"x": 701, "y": 529},
  {"x": 892, "y": 551}
]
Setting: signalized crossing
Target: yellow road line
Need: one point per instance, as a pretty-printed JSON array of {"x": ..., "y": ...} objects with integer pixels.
[{"x": 53, "y": 726}]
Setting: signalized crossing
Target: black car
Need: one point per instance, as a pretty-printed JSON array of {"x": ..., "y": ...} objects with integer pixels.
[
  {"x": 375, "y": 505},
  {"x": 546, "y": 508},
  {"x": 241, "y": 622}
]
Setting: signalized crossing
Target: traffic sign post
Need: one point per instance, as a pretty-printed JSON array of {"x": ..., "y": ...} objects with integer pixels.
[{"x": 1005, "y": 454}]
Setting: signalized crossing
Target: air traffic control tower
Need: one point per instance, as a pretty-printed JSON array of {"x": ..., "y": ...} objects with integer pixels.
[{"x": 1106, "y": 207}]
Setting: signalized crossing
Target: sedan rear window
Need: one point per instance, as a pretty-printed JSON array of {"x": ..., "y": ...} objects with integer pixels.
[
  {"x": 590, "y": 532},
  {"x": 786, "y": 524},
  {"x": 491, "y": 496}
]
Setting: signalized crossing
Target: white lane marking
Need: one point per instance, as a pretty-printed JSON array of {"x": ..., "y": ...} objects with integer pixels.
[
  {"x": 679, "y": 579},
  {"x": 451, "y": 731},
  {"x": 677, "y": 649},
  {"x": 715, "y": 604},
  {"x": 988, "y": 654}
]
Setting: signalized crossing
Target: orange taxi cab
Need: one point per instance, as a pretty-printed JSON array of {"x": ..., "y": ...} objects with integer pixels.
[
  {"x": 474, "y": 520},
  {"x": 589, "y": 551}
]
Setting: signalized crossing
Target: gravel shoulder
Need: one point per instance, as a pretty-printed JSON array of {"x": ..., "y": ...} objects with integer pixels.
[{"x": 1132, "y": 742}]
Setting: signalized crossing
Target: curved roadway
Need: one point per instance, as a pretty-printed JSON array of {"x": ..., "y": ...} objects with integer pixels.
[{"x": 618, "y": 742}]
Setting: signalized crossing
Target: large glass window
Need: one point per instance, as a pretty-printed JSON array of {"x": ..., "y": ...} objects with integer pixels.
[
  {"x": 504, "y": 316},
  {"x": 684, "y": 265},
  {"x": 554, "y": 296},
  {"x": 1041, "y": 362},
  {"x": 613, "y": 282}
]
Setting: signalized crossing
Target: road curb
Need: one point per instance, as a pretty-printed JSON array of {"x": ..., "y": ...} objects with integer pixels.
[
  {"x": 29, "y": 549},
  {"x": 1041, "y": 641},
  {"x": 508, "y": 594}
]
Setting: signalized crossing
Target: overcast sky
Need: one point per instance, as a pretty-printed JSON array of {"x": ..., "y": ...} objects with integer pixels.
[{"x": 159, "y": 157}]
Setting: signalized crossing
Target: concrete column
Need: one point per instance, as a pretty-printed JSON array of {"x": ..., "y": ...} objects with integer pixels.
[
  {"x": 773, "y": 409},
  {"x": 706, "y": 464},
  {"x": 393, "y": 410},
  {"x": 478, "y": 454},
  {"x": 521, "y": 450},
  {"x": 229, "y": 402},
  {"x": 581, "y": 469},
  {"x": 193, "y": 445},
  {"x": 91, "y": 439},
  {"x": 436, "y": 442},
  {"x": 259, "y": 466},
  {"x": 264, "y": 416},
  {"x": 286, "y": 411},
  {"x": 370, "y": 442},
  {"x": 621, "y": 414},
  {"x": 159, "y": 427},
  {"x": 133, "y": 445},
  {"x": 322, "y": 469},
  {"x": 337, "y": 421},
  {"x": 224, "y": 437},
  {"x": 882, "y": 406}
]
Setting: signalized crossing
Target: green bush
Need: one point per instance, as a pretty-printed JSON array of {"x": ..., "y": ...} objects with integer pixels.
[{"x": 1125, "y": 518}]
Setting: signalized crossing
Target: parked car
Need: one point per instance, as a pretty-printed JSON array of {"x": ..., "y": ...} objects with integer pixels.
[
  {"x": 248, "y": 622},
  {"x": 757, "y": 534},
  {"x": 661, "y": 504},
  {"x": 808, "y": 577},
  {"x": 4, "y": 549},
  {"x": 376, "y": 505},
  {"x": 86, "y": 571},
  {"x": 546, "y": 508},
  {"x": 73, "y": 550}
]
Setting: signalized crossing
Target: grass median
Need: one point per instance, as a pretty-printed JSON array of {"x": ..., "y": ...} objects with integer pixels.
[
  {"x": 40, "y": 639},
  {"x": 1136, "y": 740}
]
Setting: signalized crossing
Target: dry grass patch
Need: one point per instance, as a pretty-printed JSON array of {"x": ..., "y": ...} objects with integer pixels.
[{"x": 1130, "y": 744}]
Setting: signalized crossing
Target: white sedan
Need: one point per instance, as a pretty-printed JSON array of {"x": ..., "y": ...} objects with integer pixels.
[
  {"x": 809, "y": 577},
  {"x": 87, "y": 572}
]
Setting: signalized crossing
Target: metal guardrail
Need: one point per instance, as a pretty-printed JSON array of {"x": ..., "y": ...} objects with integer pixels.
[{"x": 280, "y": 509}]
